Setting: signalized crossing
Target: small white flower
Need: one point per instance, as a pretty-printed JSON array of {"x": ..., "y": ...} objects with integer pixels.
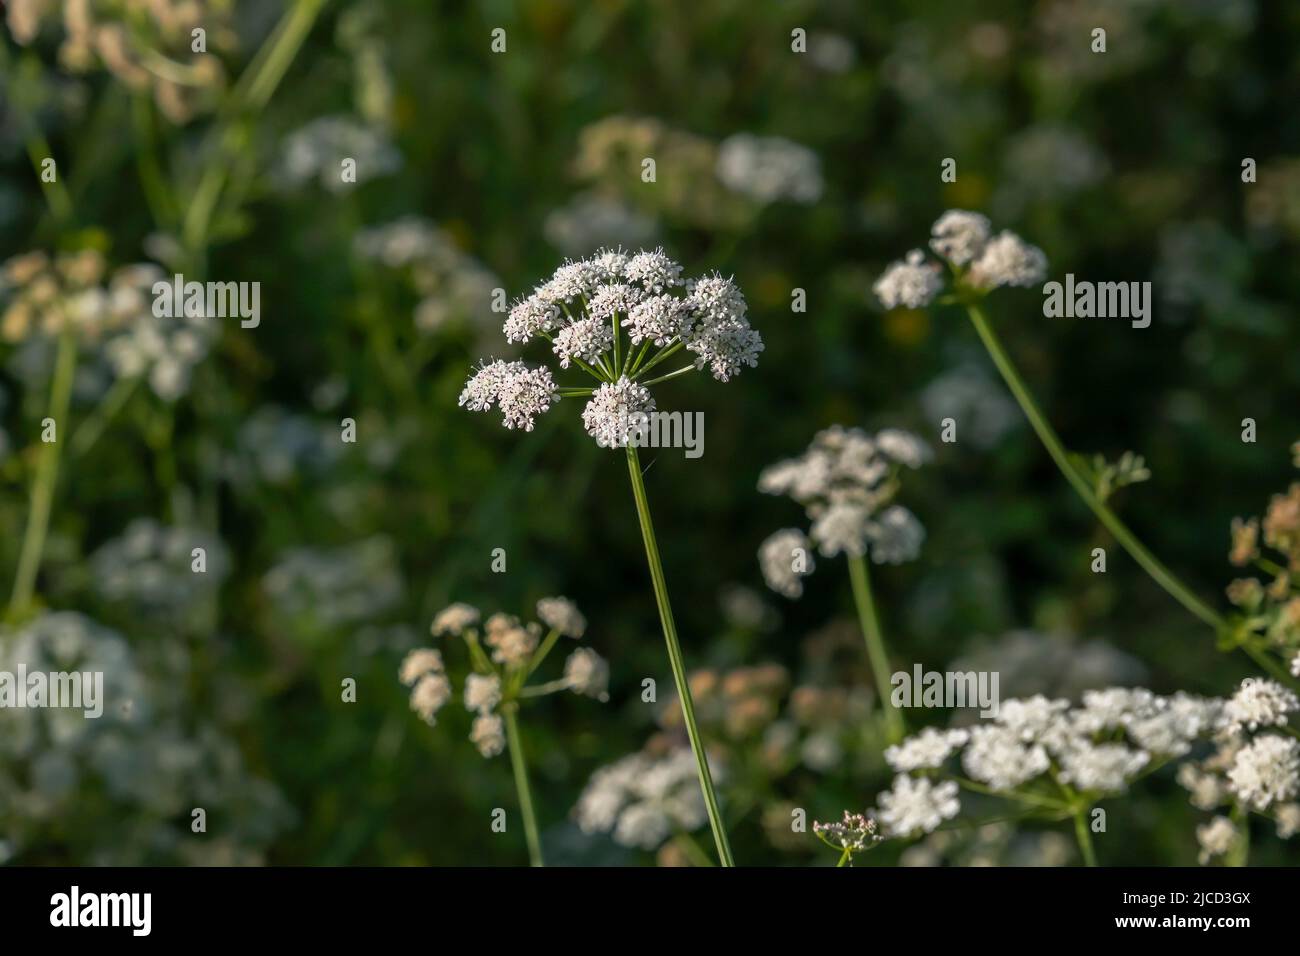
[
  {"x": 1216, "y": 838},
  {"x": 571, "y": 281},
  {"x": 1288, "y": 820},
  {"x": 895, "y": 536},
  {"x": 917, "y": 805},
  {"x": 659, "y": 318},
  {"x": 587, "y": 673},
  {"x": 431, "y": 692},
  {"x": 488, "y": 734},
  {"x": 1259, "y": 703},
  {"x": 454, "y": 619},
  {"x": 654, "y": 271},
  {"x": 618, "y": 413},
  {"x": 841, "y": 528},
  {"x": 1266, "y": 771},
  {"x": 561, "y": 614},
  {"x": 997, "y": 756},
  {"x": 584, "y": 340},
  {"x": 725, "y": 347},
  {"x": 959, "y": 236},
  {"x": 482, "y": 692},
  {"x": 1008, "y": 260},
  {"x": 926, "y": 750},
  {"x": 902, "y": 446},
  {"x": 417, "y": 663},
  {"x": 778, "y": 557},
  {"x": 1107, "y": 768},
  {"x": 912, "y": 283},
  {"x": 512, "y": 644},
  {"x": 528, "y": 394},
  {"x": 615, "y": 297},
  {"x": 530, "y": 316},
  {"x": 1295, "y": 665},
  {"x": 769, "y": 168}
]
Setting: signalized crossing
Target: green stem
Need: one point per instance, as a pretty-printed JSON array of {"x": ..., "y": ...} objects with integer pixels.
[
  {"x": 542, "y": 651},
  {"x": 515, "y": 744},
  {"x": 1084, "y": 837},
  {"x": 1158, "y": 572},
  {"x": 667, "y": 352},
  {"x": 676, "y": 374},
  {"x": 1240, "y": 854},
  {"x": 93, "y": 425},
  {"x": 251, "y": 93},
  {"x": 875, "y": 641},
  {"x": 845, "y": 858},
  {"x": 675, "y": 658},
  {"x": 47, "y": 473}
]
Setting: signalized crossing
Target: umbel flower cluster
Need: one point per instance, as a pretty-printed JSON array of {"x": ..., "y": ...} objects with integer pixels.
[
  {"x": 1271, "y": 611},
  {"x": 846, "y": 481},
  {"x": 1059, "y": 759},
  {"x": 504, "y": 653},
  {"x": 979, "y": 260},
  {"x": 586, "y": 310}
]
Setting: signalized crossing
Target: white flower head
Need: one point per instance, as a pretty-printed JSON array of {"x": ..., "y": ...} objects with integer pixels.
[
  {"x": 429, "y": 695},
  {"x": 1217, "y": 838},
  {"x": 1259, "y": 703},
  {"x": 421, "y": 661},
  {"x": 587, "y": 673},
  {"x": 785, "y": 559},
  {"x": 482, "y": 692},
  {"x": 895, "y": 536},
  {"x": 522, "y": 393},
  {"x": 959, "y": 236},
  {"x": 653, "y": 271},
  {"x": 1266, "y": 771},
  {"x": 769, "y": 168},
  {"x": 1008, "y": 261},
  {"x": 659, "y": 319},
  {"x": 841, "y": 528},
  {"x": 912, "y": 283},
  {"x": 529, "y": 317},
  {"x": 926, "y": 750},
  {"x": 488, "y": 734},
  {"x": 999, "y": 757},
  {"x": 618, "y": 413},
  {"x": 916, "y": 805},
  {"x": 584, "y": 340},
  {"x": 454, "y": 619},
  {"x": 561, "y": 614},
  {"x": 1106, "y": 768}
]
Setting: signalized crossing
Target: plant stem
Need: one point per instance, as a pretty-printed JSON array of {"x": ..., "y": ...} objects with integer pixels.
[
  {"x": 1158, "y": 572},
  {"x": 675, "y": 658},
  {"x": 47, "y": 473},
  {"x": 846, "y": 858},
  {"x": 93, "y": 425},
  {"x": 664, "y": 378},
  {"x": 515, "y": 744},
  {"x": 1084, "y": 837},
  {"x": 666, "y": 352},
  {"x": 875, "y": 641}
]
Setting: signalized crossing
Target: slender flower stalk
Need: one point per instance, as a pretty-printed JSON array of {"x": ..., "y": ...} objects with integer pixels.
[
  {"x": 515, "y": 744},
  {"x": 875, "y": 641},
  {"x": 504, "y": 653},
  {"x": 1083, "y": 836},
  {"x": 847, "y": 481},
  {"x": 1047, "y": 435},
  {"x": 675, "y": 658},
  {"x": 981, "y": 262},
  {"x": 583, "y": 311},
  {"x": 47, "y": 475}
]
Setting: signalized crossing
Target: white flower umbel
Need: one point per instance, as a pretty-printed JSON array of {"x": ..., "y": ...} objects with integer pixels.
[
  {"x": 1055, "y": 758},
  {"x": 1259, "y": 703},
  {"x": 846, "y": 481},
  {"x": 504, "y": 653},
  {"x": 616, "y": 317},
  {"x": 785, "y": 559},
  {"x": 917, "y": 805},
  {"x": 980, "y": 263},
  {"x": 912, "y": 283}
]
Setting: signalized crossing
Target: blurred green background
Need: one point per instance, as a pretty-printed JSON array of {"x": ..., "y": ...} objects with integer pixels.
[{"x": 1121, "y": 166}]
